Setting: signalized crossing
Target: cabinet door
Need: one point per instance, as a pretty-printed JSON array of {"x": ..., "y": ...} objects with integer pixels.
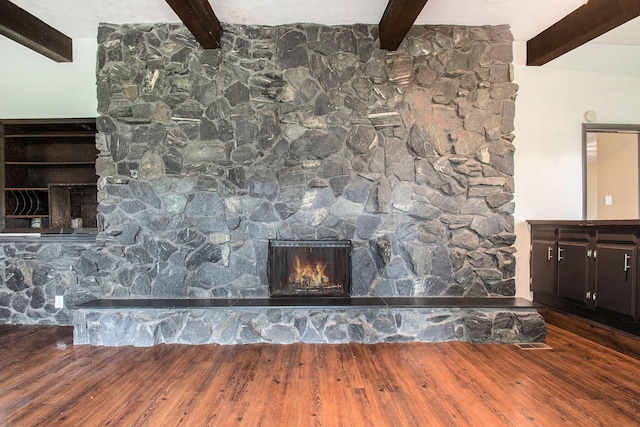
[
  {"x": 615, "y": 288},
  {"x": 543, "y": 267},
  {"x": 573, "y": 270}
]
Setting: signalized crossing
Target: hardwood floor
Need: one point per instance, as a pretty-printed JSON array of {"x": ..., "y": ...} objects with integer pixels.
[{"x": 46, "y": 381}]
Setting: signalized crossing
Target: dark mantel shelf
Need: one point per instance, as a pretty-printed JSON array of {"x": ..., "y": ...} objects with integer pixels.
[
  {"x": 585, "y": 222},
  {"x": 307, "y": 302}
]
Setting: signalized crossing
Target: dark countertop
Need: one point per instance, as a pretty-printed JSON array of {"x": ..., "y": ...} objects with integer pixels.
[
  {"x": 48, "y": 235},
  {"x": 311, "y": 302},
  {"x": 585, "y": 222}
]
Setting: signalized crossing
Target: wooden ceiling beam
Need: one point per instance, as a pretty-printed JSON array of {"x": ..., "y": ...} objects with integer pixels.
[
  {"x": 582, "y": 25},
  {"x": 24, "y": 28},
  {"x": 199, "y": 18},
  {"x": 397, "y": 20}
]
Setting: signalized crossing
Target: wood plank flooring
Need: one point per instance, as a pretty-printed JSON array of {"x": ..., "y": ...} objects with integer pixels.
[{"x": 46, "y": 381}]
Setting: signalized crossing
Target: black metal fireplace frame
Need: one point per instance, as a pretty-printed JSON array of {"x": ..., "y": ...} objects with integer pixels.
[{"x": 271, "y": 263}]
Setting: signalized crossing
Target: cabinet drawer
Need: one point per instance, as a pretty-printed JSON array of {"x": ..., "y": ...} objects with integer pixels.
[
  {"x": 581, "y": 234},
  {"x": 544, "y": 233},
  {"x": 617, "y": 235}
]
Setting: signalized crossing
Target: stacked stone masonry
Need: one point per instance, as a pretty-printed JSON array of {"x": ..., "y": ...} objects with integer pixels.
[
  {"x": 297, "y": 132},
  {"x": 304, "y": 132},
  {"x": 33, "y": 273},
  {"x": 146, "y": 327}
]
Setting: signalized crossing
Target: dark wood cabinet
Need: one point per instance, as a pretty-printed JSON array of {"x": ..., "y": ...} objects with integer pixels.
[
  {"x": 615, "y": 278},
  {"x": 573, "y": 270},
  {"x": 593, "y": 272},
  {"x": 574, "y": 254},
  {"x": 49, "y": 176},
  {"x": 544, "y": 260}
]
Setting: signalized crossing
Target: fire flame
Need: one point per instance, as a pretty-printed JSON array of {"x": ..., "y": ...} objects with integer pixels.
[{"x": 307, "y": 274}]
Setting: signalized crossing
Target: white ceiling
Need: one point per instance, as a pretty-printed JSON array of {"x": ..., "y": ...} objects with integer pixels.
[{"x": 527, "y": 18}]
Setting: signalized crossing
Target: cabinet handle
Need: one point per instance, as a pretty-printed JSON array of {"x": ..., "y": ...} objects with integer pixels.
[
  {"x": 588, "y": 295},
  {"x": 559, "y": 254},
  {"x": 549, "y": 253},
  {"x": 627, "y": 258},
  {"x": 589, "y": 253}
]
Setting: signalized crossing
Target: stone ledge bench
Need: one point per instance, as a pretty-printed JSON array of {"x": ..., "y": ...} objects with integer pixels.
[{"x": 286, "y": 320}]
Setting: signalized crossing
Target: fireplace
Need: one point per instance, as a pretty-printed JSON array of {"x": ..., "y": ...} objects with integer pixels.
[{"x": 309, "y": 268}]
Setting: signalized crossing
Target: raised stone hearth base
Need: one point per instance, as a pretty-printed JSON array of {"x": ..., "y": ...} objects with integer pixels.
[{"x": 314, "y": 325}]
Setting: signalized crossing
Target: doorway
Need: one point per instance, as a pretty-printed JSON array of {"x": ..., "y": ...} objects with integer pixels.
[{"x": 611, "y": 187}]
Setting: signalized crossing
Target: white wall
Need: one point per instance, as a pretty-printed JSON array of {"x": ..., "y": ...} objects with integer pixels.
[
  {"x": 33, "y": 86},
  {"x": 548, "y": 127}
]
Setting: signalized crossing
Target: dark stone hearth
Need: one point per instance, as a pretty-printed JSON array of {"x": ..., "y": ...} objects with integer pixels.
[{"x": 311, "y": 320}]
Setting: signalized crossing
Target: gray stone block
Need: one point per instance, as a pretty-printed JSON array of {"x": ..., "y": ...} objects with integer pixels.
[
  {"x": 170, "y": 284},
  {"x": 478, "y": 327},
  {"x": 206, "y": 253}
]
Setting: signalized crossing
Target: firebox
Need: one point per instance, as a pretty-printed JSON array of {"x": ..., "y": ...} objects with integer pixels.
[{"x": 309, "y": 267}]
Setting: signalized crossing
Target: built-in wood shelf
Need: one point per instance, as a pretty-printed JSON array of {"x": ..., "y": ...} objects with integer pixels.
[
  {"x": 49, "y": 176},
  {"x": 26, "y": 188}
]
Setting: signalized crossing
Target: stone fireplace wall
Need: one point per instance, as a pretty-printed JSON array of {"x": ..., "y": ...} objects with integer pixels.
[{"x": 304, "y": 132}]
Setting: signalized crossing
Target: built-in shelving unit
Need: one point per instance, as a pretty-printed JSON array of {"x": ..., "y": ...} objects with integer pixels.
[{"x": 49, "y": 176}]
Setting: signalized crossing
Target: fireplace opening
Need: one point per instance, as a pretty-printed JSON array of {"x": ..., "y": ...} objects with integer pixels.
[{"x": 309, "y": 268}]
